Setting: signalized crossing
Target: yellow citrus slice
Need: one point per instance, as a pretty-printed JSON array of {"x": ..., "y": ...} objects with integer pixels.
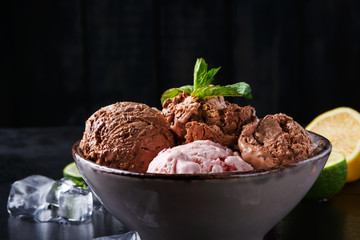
[{"x": 342, "y": 127}]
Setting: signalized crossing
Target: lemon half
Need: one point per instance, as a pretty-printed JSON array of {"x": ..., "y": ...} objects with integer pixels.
[{"x": 342, "y": 127}]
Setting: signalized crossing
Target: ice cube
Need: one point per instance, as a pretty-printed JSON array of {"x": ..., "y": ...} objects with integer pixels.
[
  {"x": 57, "y": 188},
  {"x": 51, "y": 214},
  {"x": 132, "y": 235},
  {"x": 28, "y": 195},
  {"x": 46, "y": 200},
  {"x": 68, "y": 203},
  {"x": 76, "y": 205}
]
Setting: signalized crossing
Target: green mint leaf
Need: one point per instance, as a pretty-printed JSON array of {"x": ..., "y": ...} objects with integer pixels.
[
  {"x": 238, "y": 89},
  {"x": 173, "y": 92},
  {"x": 187, "y": 88},
  {"x": 215, "y": 91},
  {"x": 200, "y": 74},
  {"x": 211, "y": 74},
  {"x": 170, "y": 93},
  {"x": 242, "y": 88},
  {"x": 202, "y": 88},
  {"x": 79, "y": 183}
]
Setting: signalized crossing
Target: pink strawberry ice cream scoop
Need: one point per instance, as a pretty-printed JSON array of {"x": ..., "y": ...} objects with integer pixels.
[{"x": 201, "y": 156}]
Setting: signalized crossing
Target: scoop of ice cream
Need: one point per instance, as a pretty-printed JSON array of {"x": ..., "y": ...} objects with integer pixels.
[
  {"x": 273, "y": 141},
  {"x": 125, "y": 135},
  {"x": 202, "y": 156},
  {"x": 212, "y": 119}
]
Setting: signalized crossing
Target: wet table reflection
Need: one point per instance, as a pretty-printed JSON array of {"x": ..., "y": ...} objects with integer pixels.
[
  {"x": 337, "y": 218},
  {"x": 102, "y": 224}
]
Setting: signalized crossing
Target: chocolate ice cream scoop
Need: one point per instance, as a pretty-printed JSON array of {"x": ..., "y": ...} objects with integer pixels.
[
  {"x": 125, "y": 135},
  {"x": 273, "y": 141},
  {"x": 212, "y": 118}
]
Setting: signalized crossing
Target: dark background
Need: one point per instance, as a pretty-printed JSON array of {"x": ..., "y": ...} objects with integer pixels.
[{"x": 62, "y": 60}]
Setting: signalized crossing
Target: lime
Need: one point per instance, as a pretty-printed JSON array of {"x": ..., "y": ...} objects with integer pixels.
[
  {"x": 331, "y": 179},
  {"x": 342, "y": 127},
  {"x": 71, "y": 171}
]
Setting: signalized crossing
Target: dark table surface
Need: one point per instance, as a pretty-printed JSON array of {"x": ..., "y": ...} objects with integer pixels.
[{"x": 46, "y": 151}]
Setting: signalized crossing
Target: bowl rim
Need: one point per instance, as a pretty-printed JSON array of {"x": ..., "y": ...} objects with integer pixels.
[{"x": 324, "y": 144}]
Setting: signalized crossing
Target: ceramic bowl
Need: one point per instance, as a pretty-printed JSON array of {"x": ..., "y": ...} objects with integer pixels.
[{"x": 203, "y": 206}]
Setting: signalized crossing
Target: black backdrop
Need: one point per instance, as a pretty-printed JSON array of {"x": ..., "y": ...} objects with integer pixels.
[{"x": 62, "y": 60}]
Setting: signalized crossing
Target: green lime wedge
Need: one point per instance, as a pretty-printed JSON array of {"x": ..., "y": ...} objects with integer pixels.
[
  {"x": 331, "y": 179},
  {"x": 71, "y": 171}
]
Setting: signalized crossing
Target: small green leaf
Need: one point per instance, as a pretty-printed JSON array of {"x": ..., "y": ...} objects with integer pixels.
[
  {"x": 242, "y": 88},
  {"x": 211, "y": 74},
  {"x": 238, "y": 89},
  {"x": 79, "y": 183},
  {"x": 215, "y": 91},
  {"x": 200, "y": 73},
  {"x": 187, "y": 88},
  {"x": 173, "y": 92},
  {"x": 170, "y": 93}
]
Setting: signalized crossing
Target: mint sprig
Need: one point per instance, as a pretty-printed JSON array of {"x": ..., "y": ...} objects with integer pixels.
[{"x": 202, "y": 85}]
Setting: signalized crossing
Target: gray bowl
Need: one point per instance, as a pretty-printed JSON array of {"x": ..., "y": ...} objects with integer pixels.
[{"x": 203, "y": 206}]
